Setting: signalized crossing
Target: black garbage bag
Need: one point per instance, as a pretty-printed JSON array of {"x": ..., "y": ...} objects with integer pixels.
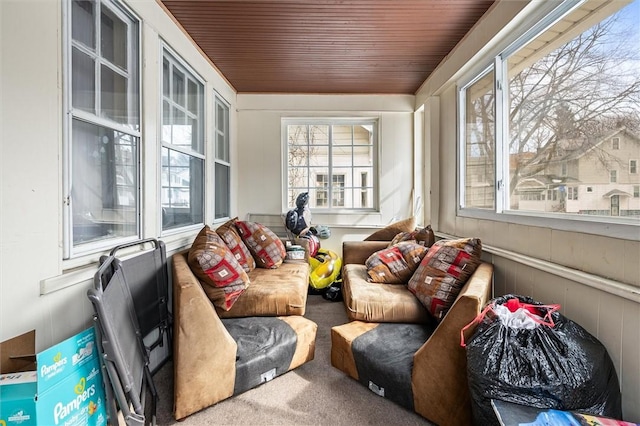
[{"x": 554, "y": 364}]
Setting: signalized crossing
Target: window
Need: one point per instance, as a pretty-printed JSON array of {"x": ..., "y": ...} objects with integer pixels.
[
  {"x": 333, "y": 160},
  {"x": 615, "y": 143},
  {"x": 636, "y": 191},
  {"x": 550, "y": 115},
  {"x": 479, "y": 143},
  {"x": 102, "y": 138},
  {"x": 182, "y": 177},
  {"x": 222, "y": 161}
]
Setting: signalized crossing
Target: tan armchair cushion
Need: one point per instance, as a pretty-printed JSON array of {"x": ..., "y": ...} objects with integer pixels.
[
  {"x": 273, "y": 292},
  {"x": 375, "y": 302}
]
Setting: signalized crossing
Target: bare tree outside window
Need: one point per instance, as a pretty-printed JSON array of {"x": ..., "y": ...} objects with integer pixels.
[{"x": 573, "y": 118}]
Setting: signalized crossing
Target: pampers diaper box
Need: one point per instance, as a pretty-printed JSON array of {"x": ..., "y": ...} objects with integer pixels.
[{"x": 66, "y": 388}]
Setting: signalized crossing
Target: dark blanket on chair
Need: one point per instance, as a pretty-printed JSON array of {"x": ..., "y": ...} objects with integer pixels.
[
  {"x": 265, "y": 349},
  {"x": 384, "y": 359}
]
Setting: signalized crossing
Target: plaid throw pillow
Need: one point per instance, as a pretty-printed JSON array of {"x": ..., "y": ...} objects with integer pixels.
[
  {"x": 214, "y": 264},
  {"x": 265, "y": 246},
  {"x": 395, "y": 265},
  {"x": 229, "y": 234},
  {"x": 443, "y": 272}
]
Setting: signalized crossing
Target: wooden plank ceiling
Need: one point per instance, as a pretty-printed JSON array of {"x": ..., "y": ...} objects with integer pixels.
[{"x": 326, "y": 46}]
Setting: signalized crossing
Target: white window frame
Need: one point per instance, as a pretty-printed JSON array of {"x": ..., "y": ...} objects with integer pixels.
[
  {"x": 542, "y": 17},
  {"x": 218, "y": 160},
  {"x": 329, "y": 121},
  {"x": 633, "y": 167},
  {"x": 178, "y": 61},
  {"x": 70, "y": 251}
]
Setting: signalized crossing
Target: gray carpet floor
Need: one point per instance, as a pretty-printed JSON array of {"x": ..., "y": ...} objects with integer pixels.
[{"x": 313, "y": 394}]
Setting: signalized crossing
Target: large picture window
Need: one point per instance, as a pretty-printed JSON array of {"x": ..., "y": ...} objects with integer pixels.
[
  {"x": 182, "y": 181},
  {"x": 333, "y": 160},
  {"x": 565, "y": 120},
  {"x": 102, "y": 128}
]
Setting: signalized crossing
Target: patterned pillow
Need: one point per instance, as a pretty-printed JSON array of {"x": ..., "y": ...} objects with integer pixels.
[
  {"x": 388, "y": 232},
  {"x": 395, "y": 265},
  {"x": 229, "y": 234},
  {"x": 424, "y": 236},
  {"x": 265, "y": 246},
  {"x": 443, "y": 272},
  {"x": 214, "y": 264}
]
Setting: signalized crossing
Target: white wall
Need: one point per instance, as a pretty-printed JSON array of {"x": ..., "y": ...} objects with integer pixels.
[
  {"x": 595, "y": 278},
  {"x": 260, "y": 163},
  {"x": 31, "y": 117}
]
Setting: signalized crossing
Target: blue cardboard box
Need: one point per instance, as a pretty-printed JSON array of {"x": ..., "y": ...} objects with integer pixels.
[
  {"x": 77, "y": 399},
  {"x": 17, "y": 398},
  {"x": 64, "y": 386}
]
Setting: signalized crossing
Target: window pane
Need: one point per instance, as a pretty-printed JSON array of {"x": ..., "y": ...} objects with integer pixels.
[
  {"x": 572, "y": 124},
  {"x": 342, "y": 135},
  {"x": 83, "y": 13},
  {"x": 318, "y": 135},
  {"x": 223, "y": 182},
  {"x": 166, "y": 77},
  {"x": 298, "y": 177},
  {"x": 480, "y": 144},
  {"x": 113, "y": 38},
  {"x": 222, "y": 131},
  {"x": 113, "y": 95},
  {"x": 182, "y": 189},
  {"x": 220, "y": 117},
  {"x": 222, "y": 171},
  {"x": 363, "y": 156},
  {"x": 319, "y": 156},
  {"x": 166, "y": 122},
  {"x": 193, "y": 94},
  {"x": 105, "y": 184},
  {"x": 83, "y": 83},
  {"x": 297, "y": 135},
  {"x": 221, "y": 147},
  {"x": 178, "y": 87},
  {"x": 181, "y": 130},
  {"x": 337, "y": 189}
]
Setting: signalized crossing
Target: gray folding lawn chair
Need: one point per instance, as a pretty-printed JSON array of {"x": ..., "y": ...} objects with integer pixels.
[
  {"x": 146, "y": 275},
  {"x": 123, "y": 354}
]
